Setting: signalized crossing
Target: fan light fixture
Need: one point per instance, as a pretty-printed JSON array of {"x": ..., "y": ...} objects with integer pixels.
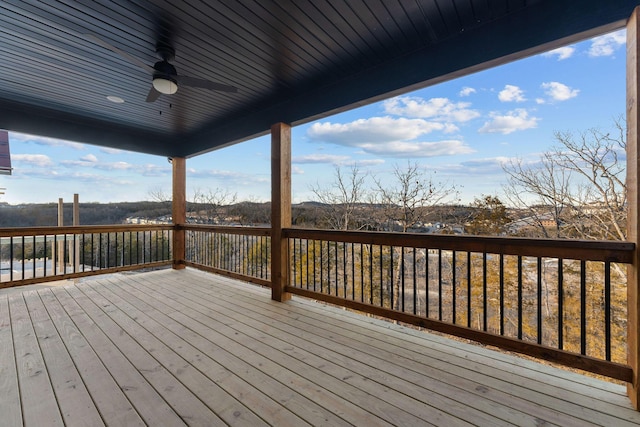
[{"x": 165, "y": 86}]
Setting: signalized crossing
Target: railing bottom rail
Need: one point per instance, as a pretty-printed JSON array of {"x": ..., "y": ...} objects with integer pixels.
[
  {"x": 589, "y": 364},
  {"x": 221, "y": 272},
  {"x": 57, "y": 277}
]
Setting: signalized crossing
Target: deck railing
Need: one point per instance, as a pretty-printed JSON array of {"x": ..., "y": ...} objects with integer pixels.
[
  {"x": 41, "y": 254},
  {"x": 240, "y": 252},
  {"x": 559, "y": 300}
]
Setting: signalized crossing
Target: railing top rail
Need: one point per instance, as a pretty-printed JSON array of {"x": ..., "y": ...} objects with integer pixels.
[
  {"x": 589, "y": 250},
  {"x": 250, "y": 231},
  {"x": 80, "y": 229}
]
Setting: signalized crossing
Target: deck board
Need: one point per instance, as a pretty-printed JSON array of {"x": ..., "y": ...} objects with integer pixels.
[
  {"x": 10, "y": 402},
  {"x": 190, "y": 348}
]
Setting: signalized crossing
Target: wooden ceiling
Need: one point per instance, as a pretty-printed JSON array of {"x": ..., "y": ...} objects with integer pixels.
[{"x": 292, "y": 61}]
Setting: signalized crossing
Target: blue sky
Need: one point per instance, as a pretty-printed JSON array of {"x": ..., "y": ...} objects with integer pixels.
[{"x": 462, "y": 131}]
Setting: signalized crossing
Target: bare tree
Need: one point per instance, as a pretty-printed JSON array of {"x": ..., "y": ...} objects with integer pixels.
[
  {"x": 158, "y": 194},
  {"x": 210, "y": 202},
  {"x": 406, "y": 201},
  {"x": 580, "y": 181},
  {"x": 344, "y": 199},
  {"x": 542, "y": 189}
]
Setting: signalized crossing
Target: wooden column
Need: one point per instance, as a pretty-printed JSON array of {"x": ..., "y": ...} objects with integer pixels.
[
  {"x": 179, "y": 210},
  {"x": 633, "y": 219},
  {"x": 61, "y": 264},
  {"x": 76, "y": 222},
  {"x": 280, "y": 208}
]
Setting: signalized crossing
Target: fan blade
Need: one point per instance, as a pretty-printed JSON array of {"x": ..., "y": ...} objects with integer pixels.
[
  {"x": 153, "y": 95},
  {"x": 206, "y": 84},
  {"x": 132, "y": 59}
]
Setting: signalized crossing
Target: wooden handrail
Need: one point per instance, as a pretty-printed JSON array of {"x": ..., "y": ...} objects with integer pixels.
[
  {"x": 81, "y": 229},
  {"x": 244, "y": 231},
  {"x": 588, "y": 250}
]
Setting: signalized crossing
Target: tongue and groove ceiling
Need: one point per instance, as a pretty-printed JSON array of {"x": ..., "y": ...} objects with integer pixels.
[{"x": 291, "y": 61}]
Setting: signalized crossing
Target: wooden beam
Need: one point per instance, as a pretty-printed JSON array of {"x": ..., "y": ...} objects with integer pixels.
[
  {"x": 280, "y": 209},
  {"x": 179, "y": 210},
  {"x": 633, "y": 220}
]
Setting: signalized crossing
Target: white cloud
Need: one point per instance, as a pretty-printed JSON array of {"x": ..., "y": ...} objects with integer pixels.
[
  {"x": 39, "y": 160},
  {"x": 374, "y": 129},
  {"x": 511, "y": 122},
  {"x": 368, "y": 162},
  {"x": 466, "y": 91},
  {"x": 40, "y": 140},
  {"x": 108, "y": 150},
  {"x": 511, "y": 93},
  {"x": 384, "y": 136},
  {"x": 561, "y": 53},
  {"x": 89, "y": 158},
  {"x": 607, "y": 45},
  {"x": 296, "y": 170},
  {"x": 320, "y": 158},
  {"x": 558, "y": 91},
  {"x": 418, "y": 149},
  {"x": 489, "y": 165},
  {"x": 439, "y": 109}
]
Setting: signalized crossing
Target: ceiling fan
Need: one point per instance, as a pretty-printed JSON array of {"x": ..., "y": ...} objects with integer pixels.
[{"x": 165, "y": 77}]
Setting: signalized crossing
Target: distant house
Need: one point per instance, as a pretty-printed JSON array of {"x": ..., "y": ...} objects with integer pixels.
[{"x": 546, "y": 220}]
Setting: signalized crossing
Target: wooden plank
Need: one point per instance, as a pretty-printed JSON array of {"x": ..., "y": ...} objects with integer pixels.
[
  {"x": 314, "y": 405},
  {"x": 72, "y": 396},
  {"x": 82, "y": 229},
  {"x": 152, "y": 335},
  {"x": 148, "y": 403},
  {"x": 185, "y": 404},
  {"x": 39, "y": 404},
  {"x": 179, "y": 209},
  {"x": 10, "y": 406},
  {"x": 573, "y": 360},
  {"x": 590, "y": 250},
  {"x": 280, "y": 209},
  {"x": 451, "y": 361},
  {"x": 114, "y": 407},
  {"x": 427, "y": 379},
  {"x": 412, "y": 413},
  {"x": 88, "y": 273},
  {"x": 239, "y": 230},
  {"x": 346, "y": 371},
  {"x": 272, "y": 411},
  {"x": 633, "y": 194}
]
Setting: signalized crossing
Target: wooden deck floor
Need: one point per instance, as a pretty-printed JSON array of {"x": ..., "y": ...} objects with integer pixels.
[{"x": 184, "y": 347}]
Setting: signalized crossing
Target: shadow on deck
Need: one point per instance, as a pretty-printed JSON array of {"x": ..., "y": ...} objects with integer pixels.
[{"x": 186, "y": 347}]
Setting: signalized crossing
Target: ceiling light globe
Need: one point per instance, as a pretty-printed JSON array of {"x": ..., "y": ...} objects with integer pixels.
[{"x": 165, "y": 86}]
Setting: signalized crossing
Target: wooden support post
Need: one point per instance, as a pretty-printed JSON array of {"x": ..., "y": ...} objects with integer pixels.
[
  {"x": 61, "y": 265},
  {"x": 76, "y": 222},
  {"x": 633, "y": 193},
  {"x": 280, "y": 209},
  {"x": 179, "y": 210}
]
